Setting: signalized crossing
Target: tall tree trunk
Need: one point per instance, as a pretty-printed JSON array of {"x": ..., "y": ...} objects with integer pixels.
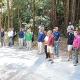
[
  {"x": 33, "y": 11},
  {"x": 77, "y": 11},
  {"x": 1, "y": 20},
  {"x": 73, "y": 9},
  {"x": 53, "y": 14},
  {"x": 11, "y": 11},
  {"x": 5, "y": 21},
  {"x": 19, "y": 20},
  {"x": 8, "y": 8},
  {"x": 0, "y": 17},
  {"x": 66, "y": 11}
]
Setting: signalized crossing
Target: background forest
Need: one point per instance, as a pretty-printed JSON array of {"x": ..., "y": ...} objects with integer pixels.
[{"x": 50, "y": 13}]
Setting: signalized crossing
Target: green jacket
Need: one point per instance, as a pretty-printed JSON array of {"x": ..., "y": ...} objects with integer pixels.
[{"x": 28, "y": 36}]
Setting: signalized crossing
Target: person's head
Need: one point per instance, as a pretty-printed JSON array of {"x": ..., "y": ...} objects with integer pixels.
[
  {"x": 75, "y": 33},
  {"x": 78, "y": 30},
  {"x": 49, "y": 32},
  {"x": 29, "y": 30},
  {"x": 45, "y": 32},
  {"x": 56, "y": 28},
  {"x": 70, "y": 23},
  {"x": 41, "y": 30},
  {"x": 21, "y": 29}
]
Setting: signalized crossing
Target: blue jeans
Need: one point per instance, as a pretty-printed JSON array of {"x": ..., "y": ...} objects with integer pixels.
[
  {"x": 75, "y": 56},
  {"x": 56, "y": 48}
]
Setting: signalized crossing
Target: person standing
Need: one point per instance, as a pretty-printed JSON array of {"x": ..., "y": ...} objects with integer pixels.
[
  {"x": 21, "y": 37},
  {"x": 50, "y": 46},
  {"x": 70, "y": 43},
  {"x": 2, "y": 37},
  {"x": 45, "y": 44},
  {"x": 14, "y": 35},
  {"x": 56, "y": 35},
  {"x": 10, "y": 36},
  {"x": 41, "y": 37},
  {"x": 76, "y": 47},
  {"x": 28, "y": 38}
]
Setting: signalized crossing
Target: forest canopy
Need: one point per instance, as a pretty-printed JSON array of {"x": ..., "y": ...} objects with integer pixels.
[{"x": 50, "y": 13}]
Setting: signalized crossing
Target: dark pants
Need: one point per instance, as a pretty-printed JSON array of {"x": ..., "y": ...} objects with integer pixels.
[
  {"x": 75, "y": 56},
  {"x": 47, "y": 54},
  {"x": 2, "y": 41}
]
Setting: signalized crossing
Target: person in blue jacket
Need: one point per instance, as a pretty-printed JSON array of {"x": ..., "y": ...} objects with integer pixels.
[
  {"x": 21, "y": 37},
  {"x": 56, "y": 35},
  {"x": 41, "y": 37}
]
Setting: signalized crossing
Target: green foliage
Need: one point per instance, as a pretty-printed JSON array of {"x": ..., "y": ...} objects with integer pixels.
[{"x": 23, "y": 9}]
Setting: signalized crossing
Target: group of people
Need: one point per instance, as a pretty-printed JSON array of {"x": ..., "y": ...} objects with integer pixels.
[
  {"x": 48, "y": 41},
  {"x": 25, "y": 38},
  {"x": 73, "y": 43}
]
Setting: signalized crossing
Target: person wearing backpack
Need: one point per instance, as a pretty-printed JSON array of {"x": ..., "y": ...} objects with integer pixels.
[
  {"x": 76, "y": 47},
  {"x": 70, "y": 40}
]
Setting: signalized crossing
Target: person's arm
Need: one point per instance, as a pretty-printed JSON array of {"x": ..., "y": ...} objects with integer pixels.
[{"x": 59, "y": 34}]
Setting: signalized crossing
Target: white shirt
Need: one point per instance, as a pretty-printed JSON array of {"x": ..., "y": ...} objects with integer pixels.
[
  {"x": 10, "y": 34},
  {"x": 46, "y": 40}
]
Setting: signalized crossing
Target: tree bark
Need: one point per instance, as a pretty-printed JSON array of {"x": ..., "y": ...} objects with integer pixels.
[
  {"x": 1, "y": 19},
  {"x": 77, "y": 11},
  {"x": 11, "y": 11},
  {"x": 73, "y": 9},
  {"x": 8, "y": 8},
  {"x": 33, "y": 15},
  {"x": 53, "y": 14},
  {"x": 66, "y": 11}
]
